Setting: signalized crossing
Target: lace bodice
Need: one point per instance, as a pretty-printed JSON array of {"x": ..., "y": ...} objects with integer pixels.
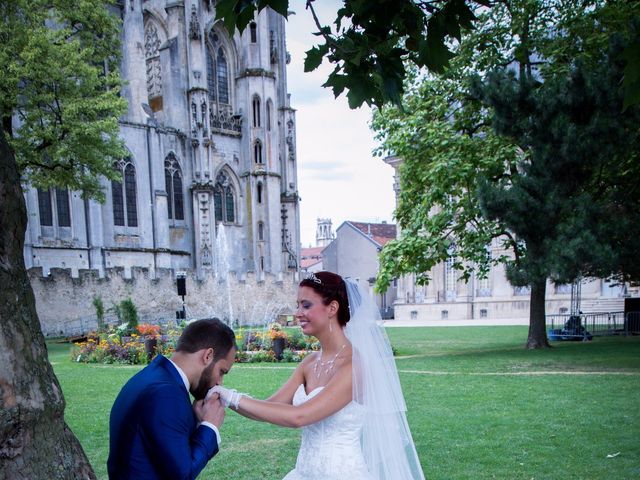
[{"x": 330, "y": 448}]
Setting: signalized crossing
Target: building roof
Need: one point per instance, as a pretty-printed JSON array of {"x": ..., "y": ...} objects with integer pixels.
[
  {"x": 310, "y": 256},
  {"x": 381, "y": 233}
]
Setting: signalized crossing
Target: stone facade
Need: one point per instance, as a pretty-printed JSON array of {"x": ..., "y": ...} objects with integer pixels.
[
  {"x": 65, "y": 303},
  {"x": 210, "y": 181}
]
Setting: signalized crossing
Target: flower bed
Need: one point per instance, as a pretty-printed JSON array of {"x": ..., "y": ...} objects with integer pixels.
[
  {"x": 119, "y": 346},
  {"x": 254, "y": 345}
]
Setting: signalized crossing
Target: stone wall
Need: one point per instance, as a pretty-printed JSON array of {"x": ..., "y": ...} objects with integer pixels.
[{"x": 65, "y": 303}]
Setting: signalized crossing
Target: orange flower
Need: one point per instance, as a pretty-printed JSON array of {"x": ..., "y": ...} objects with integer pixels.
[
  {"x": 148, "y": 330},
  {"x": 275, "y": 331}
]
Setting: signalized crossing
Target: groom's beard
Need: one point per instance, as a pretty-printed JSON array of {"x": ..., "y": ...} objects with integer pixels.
[{"x": 204, "y": 383}]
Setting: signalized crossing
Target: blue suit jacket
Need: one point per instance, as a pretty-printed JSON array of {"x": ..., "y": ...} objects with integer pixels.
[{"x": 154, "y": 433}]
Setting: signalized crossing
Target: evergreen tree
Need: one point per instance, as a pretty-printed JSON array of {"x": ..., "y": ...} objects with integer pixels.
[
  {"x": 574, "y": 201},
  {"x": 540, "y": 73}
]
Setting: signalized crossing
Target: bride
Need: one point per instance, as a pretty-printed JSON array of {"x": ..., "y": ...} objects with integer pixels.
[{"x": 346, "y": 397}]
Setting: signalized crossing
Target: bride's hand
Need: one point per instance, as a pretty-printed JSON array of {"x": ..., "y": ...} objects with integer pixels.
[{"x": 229, "y": 397}]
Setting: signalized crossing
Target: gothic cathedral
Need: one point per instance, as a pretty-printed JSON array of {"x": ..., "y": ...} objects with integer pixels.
[{"x": 211, "y": 138}]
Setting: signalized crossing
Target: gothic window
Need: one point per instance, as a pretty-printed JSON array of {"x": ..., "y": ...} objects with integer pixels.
[
  {"x": 261, "y": 231},
  {"x": 253, "y": 28},
  {"x": 124, "y": 197},
  {"x": 269, "y": 108},
  {"x": 261, "y": 263},
  {"x": 259, "y": 191},
  {"x": 45, "y": 208},
  {"x": 62, "y": 207},
  {"x": 54, "y": 208},
  {"x": 257, "y": 152},
  {"x": 217, "y": 71},
  {"x": 224, "y": 202},
  {"x": 256, "y": 111},
  {"x": 217, "y": 202},
  {"x": 173, "y": 186},
  {"x": 229, "y": 205},
  {"x": 152, "y": 44}
]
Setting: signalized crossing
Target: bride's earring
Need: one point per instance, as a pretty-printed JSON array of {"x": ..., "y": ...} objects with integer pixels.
[{"x": 330, "y": 325}]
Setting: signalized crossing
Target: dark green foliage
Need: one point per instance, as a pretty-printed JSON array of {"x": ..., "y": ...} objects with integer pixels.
[
  {"x": 99, "y": 306},
  {"x": 64, "y": 87},
  {"x": 575, "y": 199},
  {"x": 129, "y": 314},
  {"x": 370, "y": 41}
]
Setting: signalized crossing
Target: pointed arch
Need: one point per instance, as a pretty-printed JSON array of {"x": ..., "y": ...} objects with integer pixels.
[
  {"x": 269, "y": 114},
  {"x": 257, "y": 152},
  {"x": 259, "y": 192},
  {"x": 221, "y": 66},
  {"x": 154, "y": 36},
  {"x": 261, "y": 231},
  {"x": 124, "y": 195},
  {"x": 225, "y": 196},
  {"x": 255, "y": 107},
  {"x": 174, "y": 187}
]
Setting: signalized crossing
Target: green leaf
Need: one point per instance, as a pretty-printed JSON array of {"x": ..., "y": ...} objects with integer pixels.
[
  {"x": 314, "y": 57},
  {"x": 279, "y": 6}
]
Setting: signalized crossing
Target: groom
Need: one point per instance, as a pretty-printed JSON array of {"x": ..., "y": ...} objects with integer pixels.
[{"x": 155, "y": 431}]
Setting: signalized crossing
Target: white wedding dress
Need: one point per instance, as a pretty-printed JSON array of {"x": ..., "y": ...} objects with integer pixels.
[{"x": 330, "y": 448}]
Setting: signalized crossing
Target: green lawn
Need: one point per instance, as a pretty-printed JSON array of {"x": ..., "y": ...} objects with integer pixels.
[{"x": 480, "y": 407}]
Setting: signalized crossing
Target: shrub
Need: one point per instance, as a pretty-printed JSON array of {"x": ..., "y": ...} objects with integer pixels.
[
  {"x": 99, "y": 306},
  {"x": 297, "y": 339},
  {"x": 263, "y": 356},
  {"x": 129, "y": 314}
]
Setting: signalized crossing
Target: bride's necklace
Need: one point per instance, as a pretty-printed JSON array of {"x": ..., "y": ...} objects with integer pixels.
[{"x": 325, "y": 367}]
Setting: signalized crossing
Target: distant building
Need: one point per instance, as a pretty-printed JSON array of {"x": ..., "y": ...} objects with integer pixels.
[
  {"x": 449, "y": 297},
  {"x": 324, "y": 232},
  {"x": 354, "y": 253},
  {"x": 311, "y": 259}
]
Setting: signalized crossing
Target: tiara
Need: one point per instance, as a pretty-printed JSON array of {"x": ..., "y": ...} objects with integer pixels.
[{"x": 312, "y": 276}]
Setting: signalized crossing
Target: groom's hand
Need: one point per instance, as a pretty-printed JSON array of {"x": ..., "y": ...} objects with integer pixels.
[{"x": 210, "y": 410}]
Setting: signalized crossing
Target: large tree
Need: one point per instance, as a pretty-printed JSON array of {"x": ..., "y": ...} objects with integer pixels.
[
  {"x": 59, "y": 106},
  {"x": 369, "y": 42},
  {"x": 523, "y": 139},
  {"x": 373, "y": 44}
]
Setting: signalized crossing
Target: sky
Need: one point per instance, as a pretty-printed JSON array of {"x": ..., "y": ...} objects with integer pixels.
[{"x": 338, "y": 176}]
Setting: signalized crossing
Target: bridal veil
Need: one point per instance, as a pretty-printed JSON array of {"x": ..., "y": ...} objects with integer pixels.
[{"x": 387, "y": 444}]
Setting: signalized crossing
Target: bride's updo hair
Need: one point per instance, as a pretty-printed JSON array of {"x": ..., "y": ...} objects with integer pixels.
[{"x": 330, "y": 287}]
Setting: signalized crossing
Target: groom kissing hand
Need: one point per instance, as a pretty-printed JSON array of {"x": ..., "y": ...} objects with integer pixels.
[{"x": 155, "y": 431}]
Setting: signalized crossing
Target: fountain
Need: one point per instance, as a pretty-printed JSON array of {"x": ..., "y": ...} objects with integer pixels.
[{"x": 222, "y": 270}]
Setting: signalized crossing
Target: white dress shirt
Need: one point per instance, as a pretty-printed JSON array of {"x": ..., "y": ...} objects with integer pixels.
[{"x": 185, "y": 380}]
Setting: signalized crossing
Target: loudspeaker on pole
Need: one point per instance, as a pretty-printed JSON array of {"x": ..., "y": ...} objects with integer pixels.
[{"x": 181, "y": 282}]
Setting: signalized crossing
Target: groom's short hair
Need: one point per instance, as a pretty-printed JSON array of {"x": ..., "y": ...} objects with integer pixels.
[{"x": 207, "y": 333}]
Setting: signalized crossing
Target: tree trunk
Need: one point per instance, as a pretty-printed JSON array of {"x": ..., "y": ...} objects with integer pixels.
[
  {"x": 537, "y": 325},
  {"x": 35, "y": 441}
]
